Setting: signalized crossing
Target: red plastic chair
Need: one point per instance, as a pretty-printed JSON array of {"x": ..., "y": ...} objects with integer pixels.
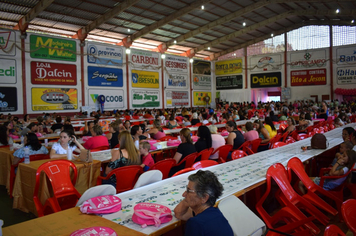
[
  {"x": 203, "y": 164},
  {"x": 167, "y": 138},
  {"x": 117, "y": 145},
  {"x": 34, "y": 157},
  {"x": 296, "y": 166},
  {"x": 302, "y": 136},
  {"x": 289, "y": 213},
  {"x": 205, "y": 154},
  {"x": 333, "y": 230},
  {"x": 255, "y": 144},
  {"x": 164, "y": 166},
  {"x": 183, "y": 171},
  {"x": 198, "y": 124},
  {"x": 238, "y": 154},
  {"x": 64, "y": 194},
  {"x": 348, "y": 210},
  {"x": 284, "y": 137},
  {"x": 100, "y": 149},
  {"x": 223, "y": 152},
  {"x": 126, "y": 177},
  {"x": 278, "y": 144},
  {"x": 189, "y": 160},
  {"x": 282, "y": 127},
  {"x": 5, "y": 146},
  {"x": 290, "y": 140}
]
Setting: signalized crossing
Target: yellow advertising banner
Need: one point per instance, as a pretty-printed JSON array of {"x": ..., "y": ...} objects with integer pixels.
[
  {"x": 199, "y": 98},
  {"x": 228, "y": 67},
  {"x": 45, "y": 99},
  {"x": 144, "y": 79}
]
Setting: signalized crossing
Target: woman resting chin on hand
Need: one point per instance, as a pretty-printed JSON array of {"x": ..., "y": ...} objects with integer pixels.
[{"x": 67, "y": 141}]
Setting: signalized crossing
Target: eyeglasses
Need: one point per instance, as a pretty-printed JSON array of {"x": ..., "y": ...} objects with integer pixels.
[{"x": 190, "y": 190}]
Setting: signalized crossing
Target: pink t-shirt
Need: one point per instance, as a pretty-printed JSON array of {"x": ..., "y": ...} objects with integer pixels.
[
  {"x": 217, "y": 141},
  {"x": 148, "y": 160},
  {"x": 159, "y": 135},
  {"x": 251, "y": 135},
  {"x": 96, "y": 142}
]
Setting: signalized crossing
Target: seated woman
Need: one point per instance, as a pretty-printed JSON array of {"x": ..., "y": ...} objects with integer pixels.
[
  {"x": 98, "y": 140},
  {"x": 157, "y": 132},
  {"x": 225, "y": 118},
  {"x": 88, "y": 128},
  {"x": 216, "y": 141},
  {"x": 291, "y": 125},
  {"x": 197, "y": 207},
  {"x": 263, "y": 134},
  {"x": 126, "y": 155},
  {"x": 235, "y": 138},
  {"x": 195, "y": 119},
  {"x": 136, "y": 133},
  {"x": 272, "y": 131},
  {"x": 113, "y": 135},
  {"x": 5, "y": 139},
  {"x": 235, "y": 115},
  {"x": 204, "y": 140},
  {"x": 32, "y": 143},
  {"x": 172, "y": 123},
  {"x": 251, "y": 134},
  {"x": 144, "y": 130},
  {"x": 184, "y": 149},
  {"x": 67, "y": 141},
  {"x": 127, "y": 125}
]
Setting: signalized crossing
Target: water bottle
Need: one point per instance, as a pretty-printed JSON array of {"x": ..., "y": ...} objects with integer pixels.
[
  {"x": 22, "y": 140},
  {"x": 11, "y": 144},
  {"x": 69, "y": 154},
  {"x": 27, "y": 156},
  {"x": 137, "y": 144}
]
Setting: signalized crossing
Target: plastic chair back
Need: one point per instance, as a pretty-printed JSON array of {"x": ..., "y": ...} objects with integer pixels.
[
  {"x": 241, "y": 219},
  {"x": 333, "y": 230},
  {"x": 183, "y": 171},
  {"x": 255, "y": 144},
  {"x": 302, "y": 136},
  {"x": 278, "y": 144},
  {"x": 223, "y": 152},
  {"x": 100, "y": 148},
  {"x": 348, "y": 210},
  {"x": 117, "y": 145},
  {"x": 189, "y": 160},
  {"x": 205, "y": 154},
  {"x": 238, "y": 154},
  {"x": 148, "y": 177},
  {"x": 164, "y": 166},
  {"x": 167, "y": 138},
  {"x": 96, "y": 191},
  {"x": 203, "y": 164}
]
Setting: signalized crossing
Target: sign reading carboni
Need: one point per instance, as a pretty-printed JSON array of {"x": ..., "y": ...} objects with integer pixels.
[
  {"x": 139, "y": 57},
  {"x": 266, "y": 80},
  {"x": 53, "y": 73},
  {"x": 228, "y": 67},
  {"x": 308, "y": 77},
  {"x": 44, "y": 99},
  {"x": 148, "y": 98},
  {"x": 52, "y": 48},
  {"x": 144, "y": 79}
]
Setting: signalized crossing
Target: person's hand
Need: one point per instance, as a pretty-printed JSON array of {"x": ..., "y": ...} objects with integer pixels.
[{"x": 74, "y": 139}]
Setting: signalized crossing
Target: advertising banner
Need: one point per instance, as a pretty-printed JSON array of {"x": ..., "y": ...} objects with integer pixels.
[
  {"x": 308, "y": 59},
  {"x": 176, "y": 64},
  {"x": 104, "y": 76},
  {"x": 46, "y": 99},
  {"x": 202, "y": 67},
  {"x": 199, "y": 98},
  {"x": 229, "y": 82},
  {"x": 8, "y": 71},
  {"x": 145, "y": 98},
  {"x": 107, "y": 55},
  {"x": 7, "y": 39},
  {"x": 177, "y": 98},
  {"x": 52, "y": 48},
  {"x": 346, "y": 55},
  {"x": 114, "y": 98},
  {"x": 308, "y": 77},
  {"x": 144, "y": 79},
  {"x": 264, "y": 80},
  {"x": 139, "y": 57},
  {"x": 202, "y": 82},
  {"x": 177, "y": 81},
  {"x": 8, "y": 99},
  {"x": 266, "y": 62},
  {"x": 346, "y": 75},
  {"x": 228, "y": 67},
  {"x": 53, "y": 73}
]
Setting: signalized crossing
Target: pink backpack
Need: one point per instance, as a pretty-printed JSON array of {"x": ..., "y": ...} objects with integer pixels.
[
  {"x": 173, "y": 143},
  {"x": 94, "y": 231},
  {"x": 101, "y": 205},
  {"x": 151, "y": 214}
]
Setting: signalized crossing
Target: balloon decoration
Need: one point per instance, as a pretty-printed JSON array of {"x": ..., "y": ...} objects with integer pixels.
[
  {"x": 101, "y": 99},
  {"x": 347, "y": 92}
]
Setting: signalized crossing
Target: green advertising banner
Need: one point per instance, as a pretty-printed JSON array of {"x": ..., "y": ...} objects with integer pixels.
[
  {"x": 144, "y": 98},
  {"x": 53, "y": 48}
]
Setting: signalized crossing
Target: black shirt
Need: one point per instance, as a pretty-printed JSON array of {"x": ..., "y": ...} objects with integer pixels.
[
  {"x": 56, "y": 126},
  {"x": 239, "y": 140}
]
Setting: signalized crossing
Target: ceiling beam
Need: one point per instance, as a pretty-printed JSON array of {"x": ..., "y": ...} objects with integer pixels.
[
  {"x": 120, "y": 7},
  {"x": 273, "y": 20},
  {"x": 282, "y": 31},
  {"x": 32, "y": 14}
]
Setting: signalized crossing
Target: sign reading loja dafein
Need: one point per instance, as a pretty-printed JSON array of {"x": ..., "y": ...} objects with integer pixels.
[
  {"x": 308, "y": 77},
  {"x": 53, "y": 73}
]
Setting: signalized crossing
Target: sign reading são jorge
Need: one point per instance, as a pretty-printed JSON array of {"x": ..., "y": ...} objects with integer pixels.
[
  {"x": 145, "y": 98},
  {"x": 54, "y": 99},
  {"x": 53, "y": 73},
  {"x": 8, "y": 71},
  {"x": 113, "y": 98},
  {"x": 52, "y": 48},
  {"x": 104, "y": 76},
  {"x": 266, "y": 80},
  {"x": 144, "y": 79},
  {"x": 99, "y": 54}
]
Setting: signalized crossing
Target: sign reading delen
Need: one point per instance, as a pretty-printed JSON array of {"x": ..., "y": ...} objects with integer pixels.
[{"x": 264, "y": 80}]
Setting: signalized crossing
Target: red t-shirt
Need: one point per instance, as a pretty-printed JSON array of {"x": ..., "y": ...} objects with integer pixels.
[
  {"x": 148, "y": 160},
  {"x": 96, "y": 142}
]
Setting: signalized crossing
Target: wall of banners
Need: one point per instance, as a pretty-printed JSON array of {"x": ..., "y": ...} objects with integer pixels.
[{"x": 345, "y": 70}]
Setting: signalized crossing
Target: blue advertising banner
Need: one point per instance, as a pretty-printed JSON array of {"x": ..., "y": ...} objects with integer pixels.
[
  {"x": 109, "y": 77},
  {"x": 98, "y": 54}
]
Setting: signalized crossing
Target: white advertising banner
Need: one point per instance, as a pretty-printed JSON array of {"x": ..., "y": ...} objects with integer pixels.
[
  {"x": 271, "y": 62},
  {"x": 7, "y": 39},
  {"x": 114, "y": 98},
  {"x": 308, "y": 59},
  {"x": 174, "y": 64},
  {"x": 145, "y": 98},
  {"x": 202, "y": 81},
  {"x": 177, "y": 98},
  {"x": 140, "y": 57},
  {"x": 346, "y": 56},
  {"x": 107, "y": 55},
  {"x": 346, "y": 75},
  {"x": 8, "y": 71}
]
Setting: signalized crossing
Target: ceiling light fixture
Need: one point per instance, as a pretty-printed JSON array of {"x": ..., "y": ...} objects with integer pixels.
[
  {"x": 128, "y": 30},
  {"x": 128, "y": 51},
  {"x": 208, "y": 48},
  {"x": 244, "y": 23},
  {"x": 175, "y": 41},
  {"x": 271, "y": 35},
  {"x": 202, "y": 7},
  {"x": 337, "y": 11},
  {"x": 191, "y": 60},
  {"x": 352, "y": 21},
  {"x": 163, "y": 56}
]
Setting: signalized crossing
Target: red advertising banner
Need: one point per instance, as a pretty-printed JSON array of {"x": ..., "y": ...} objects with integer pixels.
[
  {"x": 53, "y": 73},
  {"x": 308, "y": 77}
]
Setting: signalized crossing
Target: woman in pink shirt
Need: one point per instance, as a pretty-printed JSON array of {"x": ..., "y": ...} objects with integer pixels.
[
  {"x": 98, "y": 140},
  {"x": 250, "y": 134}
]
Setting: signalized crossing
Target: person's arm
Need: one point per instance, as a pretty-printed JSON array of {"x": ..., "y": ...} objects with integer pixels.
[
  {"x": 153, "y": 131},
  {"x": 115, "y": 154},
  {"x": 54, "y": 155},
  {"x": 177, "y": 157},
  {"x": 266, "y": 135},
  {"x": 334, "y": 172},
  {"x": 15, "y": 160},
  {"x": 86, "y": 128},
  {"x": 77, "y": 143},
  {"x": 230, "y": 138},
  {"x": 182, "y": 211},
  {"x": 109, "y": 136}
]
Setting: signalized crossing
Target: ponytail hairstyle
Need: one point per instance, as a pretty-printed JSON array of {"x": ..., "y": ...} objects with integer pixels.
[{"x": 185, "y": 132}]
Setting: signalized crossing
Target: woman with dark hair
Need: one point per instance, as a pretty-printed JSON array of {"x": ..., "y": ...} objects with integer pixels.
[
  {"x": 157, "y": 132},
  {"x": 32, "y": 143},
  {"x": 273, "y": 116},
  {"x": 136, "y": 133},
  {"x": 113, "y": 135},
  {"x": 26, "y": 120},
  {"x": 4, "y": 136},
  {"x": 172, "y": 123},
  {"x": 67, "y": 141},
  {"x": 262, "y": 134},
  {"x": 144, "y": 130},
  {"x": 291, "y": 125},
  {"x": 272, "y": 131},
  {"x": 204, "y": 140},
  {"x": 251, "y": 134},
  {"x": 235, "y": 138},
  {"x": 98, "y": 140}
]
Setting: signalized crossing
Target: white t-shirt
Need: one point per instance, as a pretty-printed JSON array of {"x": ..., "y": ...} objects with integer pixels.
[{"x": 59, "y": 150}]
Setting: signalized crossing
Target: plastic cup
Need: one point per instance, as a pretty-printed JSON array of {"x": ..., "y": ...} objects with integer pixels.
[{"x": 46, "y": 142}]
